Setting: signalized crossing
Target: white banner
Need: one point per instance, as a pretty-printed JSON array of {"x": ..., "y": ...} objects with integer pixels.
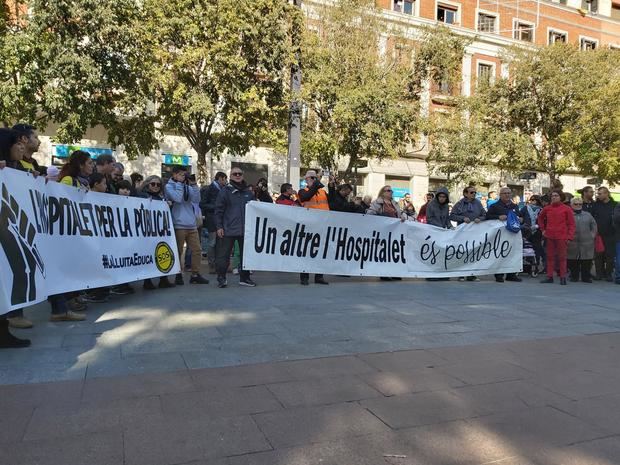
[
  {"x": 56, "y": 238},
  {"x": 295, "y": 239}
]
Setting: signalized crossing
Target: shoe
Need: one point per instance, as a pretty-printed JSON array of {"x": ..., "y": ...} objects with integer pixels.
[
  {"x": 96, "y": 298},
  {"x": 148, "y": 285},
  {"x": 382, "y": 278},
  {"x": 304, "y": 282},
  {"x": 222, "y": 282},
  {"x": 562, "y": 281},
  {"x": 76, "y": 306},
  {"x": 597, "y": 278},
  {"x": 461, "y": 279},
  {"x": 247, "y": 282},
  {"x": 499, "y": 280},
  {"x": 514, "y": 279},
  {"x": 397, "y": 279},
  {"x": 198, "y": 279},
  {"x": 122, "y": 290},
  {"x": 178, "y": 280},
  {"x": 574, "y": 280},
  {"x": 609, "y": 279},
  {"x": 19, "y": 322},
  {"x": 235, "y": 271},
  {"x": 164, "y": 283},
  {"x": 69, "y": 316},
  {"x": 547, "y": 281},
  {"x": 8, "y": 341},
  {"x": 320, "y": 281},
  {"x": 474, "y": 279},
  {"x": 588, "y": 280}
]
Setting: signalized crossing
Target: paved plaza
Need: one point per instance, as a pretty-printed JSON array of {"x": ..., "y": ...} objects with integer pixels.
[{"x": 358, "y": 372}]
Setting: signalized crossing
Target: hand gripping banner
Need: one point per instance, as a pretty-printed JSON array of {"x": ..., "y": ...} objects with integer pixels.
[
  {"x": 295, "y": 239},
  {"x": 56, "y": 238}
]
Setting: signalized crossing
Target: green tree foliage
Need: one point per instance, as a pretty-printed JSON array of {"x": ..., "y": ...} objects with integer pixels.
[
  {"x": 361, "y": 101},
  {"x": 217, "y": 70}
]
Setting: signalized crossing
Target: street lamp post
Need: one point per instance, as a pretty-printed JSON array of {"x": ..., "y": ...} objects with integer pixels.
[{"x": 294, "y": 127}]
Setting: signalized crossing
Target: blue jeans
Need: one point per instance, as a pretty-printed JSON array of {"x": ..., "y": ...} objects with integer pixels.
[{"x": 617, "y": 262}]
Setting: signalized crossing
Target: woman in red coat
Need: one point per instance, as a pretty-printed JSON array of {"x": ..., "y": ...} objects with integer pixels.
[{"x": 557, "y": 223}]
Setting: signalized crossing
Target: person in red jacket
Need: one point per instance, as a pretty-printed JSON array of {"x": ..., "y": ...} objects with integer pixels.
[
  {"x": 557, "y": 223},
  {"x": 286, "y": 196}
]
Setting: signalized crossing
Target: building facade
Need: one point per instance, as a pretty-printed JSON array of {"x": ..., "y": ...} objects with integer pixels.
[{"x": 491, "y": 24}]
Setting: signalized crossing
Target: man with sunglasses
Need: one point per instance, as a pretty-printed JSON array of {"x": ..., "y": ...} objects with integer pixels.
[
  {"x": 230, "y": 224},
  {"x": 468, "y": 210},
  {"x": 313, "y": 196}
]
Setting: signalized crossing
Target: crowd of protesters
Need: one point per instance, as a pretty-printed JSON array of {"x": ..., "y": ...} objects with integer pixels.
[{"x": 569, "y": 236}]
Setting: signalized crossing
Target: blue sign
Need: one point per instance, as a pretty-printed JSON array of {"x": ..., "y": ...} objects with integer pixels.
[
  {"x": 64, "y": 151},
  {"x": 172, "y": 159},
  {"x": 399, "y": 192}
]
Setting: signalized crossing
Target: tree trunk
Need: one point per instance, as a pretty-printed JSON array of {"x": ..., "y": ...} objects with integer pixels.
[{"x": 203, "y": 172}]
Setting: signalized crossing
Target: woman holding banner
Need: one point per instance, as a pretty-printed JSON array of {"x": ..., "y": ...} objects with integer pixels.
[{"x": 77, "y": 170}]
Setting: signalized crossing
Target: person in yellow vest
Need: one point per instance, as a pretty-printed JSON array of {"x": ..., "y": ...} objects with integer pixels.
[{"x": 313, "y": 196}]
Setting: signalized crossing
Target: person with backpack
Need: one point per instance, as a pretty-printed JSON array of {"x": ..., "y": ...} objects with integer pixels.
[{"x": 557, "y": 223}]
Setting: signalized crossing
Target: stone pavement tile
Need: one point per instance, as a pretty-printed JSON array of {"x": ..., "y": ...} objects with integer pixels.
[
  {"x": 251, "y": 328},
  {"x": 21, "y": 397},
  {"x": 579, "y": 384},
  {"x": 507, "y": 396},
  {"x": 328, "y": 366},
  {"x": 137, "y": 363},
  {"x": 405, "y": 382},
  {"x": 220, "y": 402},
  {"x": 603, "y": 412},
  {"x": 405, "y": 360},
  {"x": 79, "y": 340},
  {"x": 98, "y": 390},
  {"x": 597, "y": 452},
  {"x": 246, "y": 375},
  {"x": 41, "y": 372},
  {"x": 537, "y": 428},
  {"x": 423, "y": 408},
  {"x": 174, "y": 440},
  {"x": 322, "y": 391},
  {"x": 69, "y": 421},
  {"x": 315, "y": 424},
  {"x": 92, "y": 449},
  {"x": 13, "y": 424},
  {"x": 481, "y": 352},
  {"x": 362, "y": 450},
  {"x": 491, "y": 371}
]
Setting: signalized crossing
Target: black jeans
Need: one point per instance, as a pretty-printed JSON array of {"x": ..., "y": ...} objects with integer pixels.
[
  {"x": 223, "y": 248},
  {"x": 306, "y": 276},
  {"x": 580, "y": 267}
]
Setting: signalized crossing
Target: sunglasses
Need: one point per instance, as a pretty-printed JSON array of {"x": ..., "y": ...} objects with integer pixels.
[
  {"x": 387, "y": 190},
  {"x": 154, "y": 184},
  {"x": 311, "y": 177},
  {"x": 236, "y": 174},
  {"x": 473, "y": 192}
]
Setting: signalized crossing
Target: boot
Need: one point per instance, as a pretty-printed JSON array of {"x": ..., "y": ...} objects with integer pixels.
[
  {"x": 7, "y": 340},
  {"x": 148, "y": 285},
  {"x": 164, "y": 283}
]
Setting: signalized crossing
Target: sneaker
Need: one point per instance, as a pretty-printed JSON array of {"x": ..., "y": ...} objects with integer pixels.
[
  {"x": 8, "y": 341},
  {"x": 178, "y": 280},
  {"x": 547, "y": 281},
  {"x": 514, "y": 279},
  {"x": 198, "y": 279},
  {"x": 69, "y": 316},
  {"x": 247, "y": 282},
  {"x": 562, "y": 281},
  {"x": 222, "y": 282},
  {"x": 19, "y": 322},
  {"x": 461, "y": 279},
  {"x": 320, "y": 281},
  {"x": 95, "y": 298},
  {"x": 235, "y": 271},
  {"x": 474, "y": 279},
  {"x": 148, "y": 285}
]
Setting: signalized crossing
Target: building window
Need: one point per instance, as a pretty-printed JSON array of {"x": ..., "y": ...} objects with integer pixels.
[
  {"x": 485, "y": 74},
  {"x": 444, "y": 87},
  {"x": 591, "y": 6},
  {"x": 486, "y": 22},
  {"x": 524, "y": 31},
  {"x": 446, "y": 14},
  {"x": 556, "y": 36},
  {"x": 404, "y": 6},
  {"x": 587, "y": 44}
]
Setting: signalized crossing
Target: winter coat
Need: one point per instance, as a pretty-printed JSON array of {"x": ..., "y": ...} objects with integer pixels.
[
  {"x": 498, "y": 209},
  {"x": 263, "y": 196},
  {"x": 183, "y": 197},
  {"x": 557, "y": 221},
  {"x": 230, "y": 208},
  {"x": 377, "y": 208},
  {"x": 466, "y": 209},
  {"x": 582, "y": 246},
  {"x": 284, "y": 200},
  {"x": 616, "y": 220},
  {"x": 338, "y": 203},
  {"x": 439, "y": 214},
  {"x": 208, "y": 195},
  {"x": 603, "y": 214}
]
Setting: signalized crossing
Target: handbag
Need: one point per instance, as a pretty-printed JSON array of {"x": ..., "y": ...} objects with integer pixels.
[
  {"x": 512, "y": 222},
  {"x": 599, "y": 245}
]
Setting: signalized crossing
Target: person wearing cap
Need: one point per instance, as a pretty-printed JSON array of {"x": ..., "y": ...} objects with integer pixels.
[
  {"x": 313, "y": 196},
  {"x": 52, "y": 173}
]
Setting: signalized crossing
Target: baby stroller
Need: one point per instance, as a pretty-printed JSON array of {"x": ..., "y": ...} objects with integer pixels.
[{"x": 530, "y": 264}]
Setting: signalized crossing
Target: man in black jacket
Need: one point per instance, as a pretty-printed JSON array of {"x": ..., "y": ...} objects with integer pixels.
[
  {"x": 602, "y": 211},
  {"x": 208, "y": 195},
  {"x": 338, "y": 198},
  {"x": 499, "y": 211}
]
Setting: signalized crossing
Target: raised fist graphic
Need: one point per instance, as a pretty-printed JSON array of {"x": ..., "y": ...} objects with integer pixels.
[{"x": 17, "y": 239}]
